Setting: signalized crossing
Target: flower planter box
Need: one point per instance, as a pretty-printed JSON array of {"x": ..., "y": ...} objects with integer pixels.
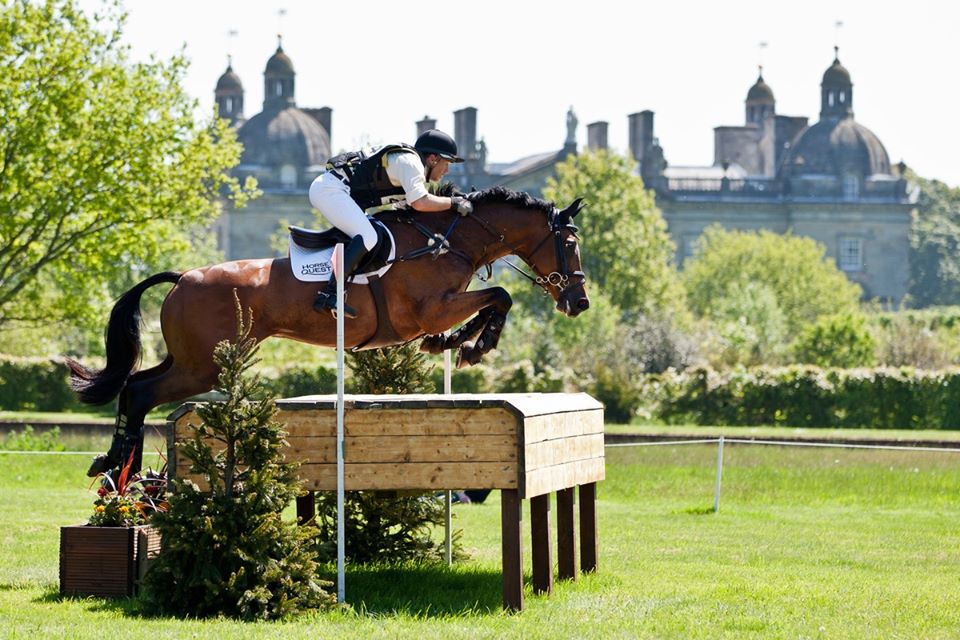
[{"x": 105, "y": 561}]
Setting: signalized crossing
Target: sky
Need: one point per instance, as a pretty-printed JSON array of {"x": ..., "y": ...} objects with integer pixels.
[{"x": 382, "y": 65}]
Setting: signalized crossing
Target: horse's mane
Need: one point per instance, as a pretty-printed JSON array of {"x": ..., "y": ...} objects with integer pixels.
[
  {"x": 495, "y": 194},
  {"x": 499, "y": 194}
]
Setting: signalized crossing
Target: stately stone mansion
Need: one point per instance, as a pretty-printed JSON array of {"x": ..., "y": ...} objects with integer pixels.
[{"x": 831, "y": 181}]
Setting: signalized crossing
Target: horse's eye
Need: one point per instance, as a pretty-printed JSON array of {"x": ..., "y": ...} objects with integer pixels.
[{"x": 571, "y": 241}]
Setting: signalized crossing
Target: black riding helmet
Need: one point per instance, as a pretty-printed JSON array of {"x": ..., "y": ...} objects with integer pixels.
[{"x": 435, "y": 141}]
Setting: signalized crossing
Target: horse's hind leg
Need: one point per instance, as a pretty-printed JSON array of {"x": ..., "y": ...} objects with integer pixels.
[
  {"x": 144, "y": 391},
  {"x": 125, "y": 438}
]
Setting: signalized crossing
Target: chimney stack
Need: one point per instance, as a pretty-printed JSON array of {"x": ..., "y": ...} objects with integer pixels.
[
  {"x": 465, "y": 132},
  {"x": 641, "y": 135},
  {"x": 425, "y": 125},
  {"x": 597, "y": 136}
]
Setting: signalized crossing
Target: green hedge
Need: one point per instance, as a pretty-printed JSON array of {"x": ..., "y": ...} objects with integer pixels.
[
  {"x": 881, "y": 398},
  {"x": 35, "y": 384}
]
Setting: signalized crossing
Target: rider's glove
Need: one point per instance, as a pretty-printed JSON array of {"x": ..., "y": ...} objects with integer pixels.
[{"x": 461, "y": 205}]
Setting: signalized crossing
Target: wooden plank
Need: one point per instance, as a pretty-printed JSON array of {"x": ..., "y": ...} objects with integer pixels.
[
  {"x": 562, "y": 476},
  {"x": 412, "y": 475},
  {"x": 511, "y": 513},
  {"x": 388, "y": 422},
  {"x": 400, "y": 476},
  {"x": 566, "y": 536},
  {"x": 401, "y": 422},
  {"x": 588, "y": 527},
  {"x": 540, "y": 540},
  {"x": 553, "y": 452},
  {"x": 562, "y": 425},
  {"x": 472, "y": 448}
]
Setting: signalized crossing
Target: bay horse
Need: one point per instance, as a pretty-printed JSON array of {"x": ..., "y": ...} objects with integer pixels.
[{"x": 424, "y": 294}]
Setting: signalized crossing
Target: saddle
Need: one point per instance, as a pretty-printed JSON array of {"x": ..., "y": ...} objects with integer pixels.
[{"x": 311, "y": 253}]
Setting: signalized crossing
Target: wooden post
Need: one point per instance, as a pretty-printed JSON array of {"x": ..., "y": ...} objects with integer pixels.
[
  {"x": 566, "y": 536},
  {"x": 512, "y": 545},
  {"x": 588, "y": 527},
  {"x": 306, "y": 507},
  {"x": 540, "y": 539}
]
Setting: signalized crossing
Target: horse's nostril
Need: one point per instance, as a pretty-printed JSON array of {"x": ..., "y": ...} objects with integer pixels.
[{"x": 583, "y": 304}]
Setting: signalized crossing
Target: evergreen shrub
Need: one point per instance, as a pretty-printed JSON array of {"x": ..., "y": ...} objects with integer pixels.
[{"x": 225, "y": 548}]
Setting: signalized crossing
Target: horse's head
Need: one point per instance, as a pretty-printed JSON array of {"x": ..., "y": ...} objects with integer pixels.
[{"x": 556, "y": 261}]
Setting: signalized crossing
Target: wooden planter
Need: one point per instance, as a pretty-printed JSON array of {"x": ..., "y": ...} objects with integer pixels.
[{"x": 105, "y": 561}]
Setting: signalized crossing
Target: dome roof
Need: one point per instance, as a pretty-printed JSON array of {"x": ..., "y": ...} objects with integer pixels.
[
  {"x": 279, "y": 63},
  {"x": 288, "y": 136},
  {"x": 229, "y": 81},
  {"x": 836, "y": 74},
  {"x": 838, "y": 147},
  {"x": 760, "y": 91}
]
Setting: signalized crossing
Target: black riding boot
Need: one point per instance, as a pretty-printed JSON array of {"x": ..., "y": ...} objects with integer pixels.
[{"x": 327, "y": 298}]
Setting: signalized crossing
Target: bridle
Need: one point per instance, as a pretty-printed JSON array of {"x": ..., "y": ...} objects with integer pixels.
[{"x": 559, "y": 278}]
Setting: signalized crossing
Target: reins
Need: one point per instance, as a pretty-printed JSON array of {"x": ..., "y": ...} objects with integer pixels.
[{"x": 438, "y": 244}]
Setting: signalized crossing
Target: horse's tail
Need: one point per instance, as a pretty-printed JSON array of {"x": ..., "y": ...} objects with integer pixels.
[{"x": 123, "y": 347}]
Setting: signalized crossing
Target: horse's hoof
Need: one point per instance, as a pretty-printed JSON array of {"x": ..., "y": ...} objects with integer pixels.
[
  {"x": 432, "y": 344},
  {"x": 100, "y": 465},
  {"x": 468, "y": 355}
]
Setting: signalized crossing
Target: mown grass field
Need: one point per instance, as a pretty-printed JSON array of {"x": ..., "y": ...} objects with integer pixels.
[{"x": 818, "y": 543}]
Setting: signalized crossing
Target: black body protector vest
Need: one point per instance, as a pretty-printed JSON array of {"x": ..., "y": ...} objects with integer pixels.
[{"x": 367, "y": 175}]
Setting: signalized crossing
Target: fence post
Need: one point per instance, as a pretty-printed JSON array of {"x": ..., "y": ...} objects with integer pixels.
[{"x": 716, "y": 491}]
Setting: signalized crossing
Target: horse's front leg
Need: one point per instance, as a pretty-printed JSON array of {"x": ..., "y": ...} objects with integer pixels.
[{"x": 491, "y": 306}]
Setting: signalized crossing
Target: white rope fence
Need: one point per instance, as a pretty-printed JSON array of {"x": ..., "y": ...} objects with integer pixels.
[{"x": 720, "y": 441}]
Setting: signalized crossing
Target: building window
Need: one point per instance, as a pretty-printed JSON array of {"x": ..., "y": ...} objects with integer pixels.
[
  {"x": 830, "y": 99},
  {"x": 288, "y": 176},
  {"x": 850, "y": 254},
  {"x": 843, "y": 97},
  {"x": 279, "y": 88},
  {"x": 228, "y": 105},
  {"x": 851, "y": 186}
]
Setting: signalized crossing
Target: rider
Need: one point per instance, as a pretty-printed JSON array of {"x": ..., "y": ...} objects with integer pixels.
[{"x": 354, "y": 182}]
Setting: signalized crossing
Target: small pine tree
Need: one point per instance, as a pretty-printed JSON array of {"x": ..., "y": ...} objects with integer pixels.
[
  {"x": 384, "y": 526},
  {"x": 226, "y": 550}
]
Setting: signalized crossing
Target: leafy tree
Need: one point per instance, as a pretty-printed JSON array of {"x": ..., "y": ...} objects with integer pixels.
[
  {"x": 226, "y": 550},
  {"x": 104, "y": 172},
  {"x": 803, "y": 281},
  {"x": 935, "y": 244},
  {"x": 625, "y": 247},
  {"x": 840, "y": 340},
  {"x": 748, "y": 326}
]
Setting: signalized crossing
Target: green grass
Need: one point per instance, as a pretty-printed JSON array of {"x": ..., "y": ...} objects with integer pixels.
[{"x": 808, "y": 543}]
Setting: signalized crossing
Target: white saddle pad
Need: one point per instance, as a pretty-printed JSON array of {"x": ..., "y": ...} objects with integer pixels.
[{"x": 316, "y": 265}]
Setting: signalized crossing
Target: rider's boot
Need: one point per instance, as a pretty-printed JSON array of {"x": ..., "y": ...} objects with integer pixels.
[{"x": 326, "y": 299}]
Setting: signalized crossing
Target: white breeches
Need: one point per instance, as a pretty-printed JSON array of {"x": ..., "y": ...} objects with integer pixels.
[{"x": 332, "y": 199}]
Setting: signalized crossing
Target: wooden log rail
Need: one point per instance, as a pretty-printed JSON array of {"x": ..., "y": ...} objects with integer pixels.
[{"x": 526, "y": 445}]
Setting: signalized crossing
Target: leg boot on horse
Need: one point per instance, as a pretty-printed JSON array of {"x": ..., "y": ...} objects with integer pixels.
[{"x": 327, "y": 298}]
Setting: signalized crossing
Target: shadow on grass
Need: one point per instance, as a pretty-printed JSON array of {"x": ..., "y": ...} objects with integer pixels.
[
  {"x": 125, "y": 606},
  {"x": 423, "y": 591},
  {"x": 418, "y": 591}
]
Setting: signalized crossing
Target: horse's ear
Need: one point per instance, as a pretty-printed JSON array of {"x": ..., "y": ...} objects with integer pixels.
[{"x": 575, "y": 207}]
